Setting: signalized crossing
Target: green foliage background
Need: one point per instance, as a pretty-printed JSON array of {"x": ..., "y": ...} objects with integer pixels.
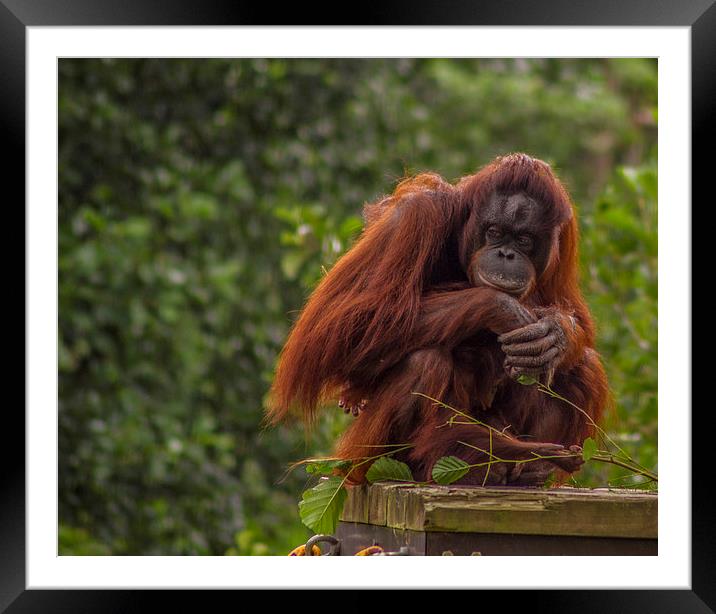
[{"x": 198, "y": 202}]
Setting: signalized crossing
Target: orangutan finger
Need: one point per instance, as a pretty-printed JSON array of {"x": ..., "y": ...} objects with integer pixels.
[
  {"x": 547, "y": 449},
  {"x": 526, "y": 333},
  {"x": 533, "y": 348},
  {"x": 533, "y": 361}
]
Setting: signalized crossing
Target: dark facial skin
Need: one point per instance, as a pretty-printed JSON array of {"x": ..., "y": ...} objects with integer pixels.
[{"x": 511, "y": 248}]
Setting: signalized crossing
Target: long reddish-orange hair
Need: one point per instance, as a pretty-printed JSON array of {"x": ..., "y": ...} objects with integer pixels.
[{"x": 366, "y": 306}]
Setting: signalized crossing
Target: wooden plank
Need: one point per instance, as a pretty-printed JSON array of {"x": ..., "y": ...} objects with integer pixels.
[
  {"x": 530, "y": 511},
  {"x": 494, "y": 544},
  {"x": 355, "y": 536},
  {"x": 356, "y": 506}
]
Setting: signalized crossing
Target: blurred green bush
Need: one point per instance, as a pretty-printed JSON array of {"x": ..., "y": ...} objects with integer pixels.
[{"x": 199, "y": 201}]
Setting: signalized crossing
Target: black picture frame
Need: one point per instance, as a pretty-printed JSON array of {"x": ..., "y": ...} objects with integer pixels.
[{"x": 17, "y": 15}]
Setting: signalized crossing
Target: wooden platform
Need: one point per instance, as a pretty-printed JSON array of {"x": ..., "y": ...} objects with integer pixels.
[{"x": 472, "y": 520}]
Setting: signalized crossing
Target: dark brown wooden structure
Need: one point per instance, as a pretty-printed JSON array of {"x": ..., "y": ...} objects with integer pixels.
[{"x": 440, "y": 520}]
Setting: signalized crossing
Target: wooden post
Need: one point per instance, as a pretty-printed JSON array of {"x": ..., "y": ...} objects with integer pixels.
[{"x": 465, "y": 520}]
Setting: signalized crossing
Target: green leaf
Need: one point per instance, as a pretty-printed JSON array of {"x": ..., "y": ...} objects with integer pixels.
[
  {"x": 449, "y": 469},
  {"x": 389, "y": 469},
  {"x": 589, "y": 447},
  {"x": 526, "y": 380},
  {"x": 321, "y": 505}
]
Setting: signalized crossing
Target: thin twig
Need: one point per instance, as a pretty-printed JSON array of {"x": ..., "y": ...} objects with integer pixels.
[{"x": 607, "y": 457}]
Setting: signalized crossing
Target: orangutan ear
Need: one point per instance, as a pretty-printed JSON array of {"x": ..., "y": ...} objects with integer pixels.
[{"x": 553, "y": 255}]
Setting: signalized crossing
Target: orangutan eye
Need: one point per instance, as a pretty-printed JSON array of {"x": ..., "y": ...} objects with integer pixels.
[
  {"x": 525, "y": 243},
  {"x": 493, "y": 233}
]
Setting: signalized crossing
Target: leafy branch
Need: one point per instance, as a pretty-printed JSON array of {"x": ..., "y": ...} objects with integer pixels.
[
  {"x": 620, "y": 458},
  {"x": 321, "y": 506}
]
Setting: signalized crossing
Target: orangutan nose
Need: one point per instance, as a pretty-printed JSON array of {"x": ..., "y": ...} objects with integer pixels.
[{"x": 504, "y": 252}]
